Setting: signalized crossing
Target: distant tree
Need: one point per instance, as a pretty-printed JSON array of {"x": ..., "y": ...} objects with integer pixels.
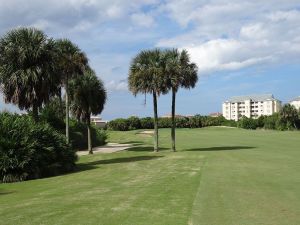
[
  {"x": 180, "y": 72},
  {"x": 88, "y": 96},
  {"x": 28, "y": 72},
  {"x": 146, "y": 76},
  {"x": 72, "y": 62},
  {"x": 289, "y": 115}
]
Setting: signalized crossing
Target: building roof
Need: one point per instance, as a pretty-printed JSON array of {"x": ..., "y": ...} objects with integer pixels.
[
  {"x": 256, "y": 98},
  {"x": 296, "y": 99}
]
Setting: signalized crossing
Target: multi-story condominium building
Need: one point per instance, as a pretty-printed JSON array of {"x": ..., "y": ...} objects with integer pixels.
[
  {"x": 296, "y": 102},
  {"x": 251, "y": 106}
]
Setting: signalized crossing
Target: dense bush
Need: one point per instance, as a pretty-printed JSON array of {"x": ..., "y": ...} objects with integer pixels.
[
  {"x": 164, "y": 123},
  {"x": 147, "y": 123},
  {"x": 78, "y": 135},
  {"x": 53, "y": 113},
  {"x": 247, "y": 123},
  {"x": 197, "y": 121},
  {"x": 134, "y": 123},
  {"x": 276, "y": 121},
  {"x": 229, "y": 123},
  {"x": 30, "y": 150},
  {"x": 118, "y": 124}
]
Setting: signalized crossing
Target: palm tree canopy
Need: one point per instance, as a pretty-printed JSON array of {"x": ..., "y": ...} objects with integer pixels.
[
  {"x": 289, "y": 113},
  {"x": 146, "y": 73},
  {"x": 179, "y": 70},
  {"x": 71, "y": 60},
  {"x": 87, "y": 95},
  {"x": 28, "y": 73}
]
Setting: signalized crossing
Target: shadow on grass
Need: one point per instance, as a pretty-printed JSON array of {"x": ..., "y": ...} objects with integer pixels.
[
  {"x": 220, "y": 148},
  {"x": 145, "y": 149},
  {"x": 6, "y": 192},
  {"x": 134, "y": 143},
  {"x": 92, "y": 165}
]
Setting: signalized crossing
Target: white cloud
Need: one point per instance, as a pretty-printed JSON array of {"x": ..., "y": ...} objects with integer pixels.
[
  {"x": 142, "y": 19},
  {"x": 117, "y": 85},
  {"x": 231, "y": 35}
]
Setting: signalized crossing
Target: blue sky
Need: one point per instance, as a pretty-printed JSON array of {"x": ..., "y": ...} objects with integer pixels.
[{"x": 240, "y": 47}]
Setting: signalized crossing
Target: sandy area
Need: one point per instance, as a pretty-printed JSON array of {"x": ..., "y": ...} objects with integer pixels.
[{"x": 108, "y": 148}]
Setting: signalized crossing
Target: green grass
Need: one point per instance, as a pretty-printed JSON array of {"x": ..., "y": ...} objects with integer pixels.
[{"x": 219, "y": 176}]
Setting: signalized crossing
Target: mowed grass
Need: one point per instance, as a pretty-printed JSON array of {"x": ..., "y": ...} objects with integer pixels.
[{"x": 219, "y": 176}]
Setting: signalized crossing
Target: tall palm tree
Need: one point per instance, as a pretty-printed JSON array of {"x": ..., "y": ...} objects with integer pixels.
[
  {"x": 88, "y": 96},
  {"x": 146, "y": 76},
  {"x": 71, "y": 62},
  {"x": 28, "y": 73},
  {"x": 181, "y": 73}
]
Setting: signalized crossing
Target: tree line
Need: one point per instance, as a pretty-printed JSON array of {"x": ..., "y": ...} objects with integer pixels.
[{"x": 287, "y": 119}]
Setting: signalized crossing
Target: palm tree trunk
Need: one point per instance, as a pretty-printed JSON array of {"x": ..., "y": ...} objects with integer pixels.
[
  {"x": 67, "y": 110},
  {"x": 35, "y": 113},
  {"x": 90, "y": 149},
  {"x": 173, "y": 120},
  {"x": 155, "y": 122}
]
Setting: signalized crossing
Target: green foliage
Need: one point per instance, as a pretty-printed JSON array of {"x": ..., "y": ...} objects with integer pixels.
[
  {"x": 79, "y": 134},
  {"x": 54, "y": 113},
  {"x": 30, "y": 150},
  {"x": 288, "y": 117},
  {"x": 118, "y": 124},
  {"x": 163, "y": 122},
  {"x": 134, "y": 123},
  {"x": 28, "y": 71},
  {"x": 87, "y": 95},
  {"x": 147, "y": 123},
  {"x": 195, "y": 121},
  {"x": 247, "y": 123},
  {"x": 229, "y": 123}
]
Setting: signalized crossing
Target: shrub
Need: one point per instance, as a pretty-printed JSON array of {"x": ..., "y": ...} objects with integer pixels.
[
  {"x": 133, "y": 123},
  {"x": 54, "y": 114},
  {"x": 247, "y": 123},
  {"x": 118, "y": 124},
  {"x": 164, "y": 122},
  {"x": 147, "y": 123},
  {"x": 229, "y": 123},
  {"x": 195, "y": 121},
  {"x": 78, "y": 135},
  {"x": 30, "y": 150},
  {"x": 182, "y": 122}
]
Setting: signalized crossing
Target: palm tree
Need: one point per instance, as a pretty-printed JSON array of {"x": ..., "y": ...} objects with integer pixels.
[
  {"x": 72, "y": 62},
  {"x": 88, "y": 96},
  {"x": 181, "y": 73},
  {"x": 146, "y": 76},
  {"x": 28, "y": 73},
  {"x": 289, "y": 115}
]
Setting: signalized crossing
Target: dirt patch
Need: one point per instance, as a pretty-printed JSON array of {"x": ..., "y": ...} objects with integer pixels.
[
  {"x": 146, "y": 133},
  {"x": 108, "y": 148}
]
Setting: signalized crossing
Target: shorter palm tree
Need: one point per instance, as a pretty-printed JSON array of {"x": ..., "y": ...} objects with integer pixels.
[
  {"x": 72, "y": 62},
  {"x": 87, "y": 96}
]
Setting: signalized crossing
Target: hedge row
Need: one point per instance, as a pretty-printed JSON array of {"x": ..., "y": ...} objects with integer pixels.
[
  {"x": 274, "y": 122},
  {"x": 30, "y": 150},
  {"x": 133, "y": 123}
]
